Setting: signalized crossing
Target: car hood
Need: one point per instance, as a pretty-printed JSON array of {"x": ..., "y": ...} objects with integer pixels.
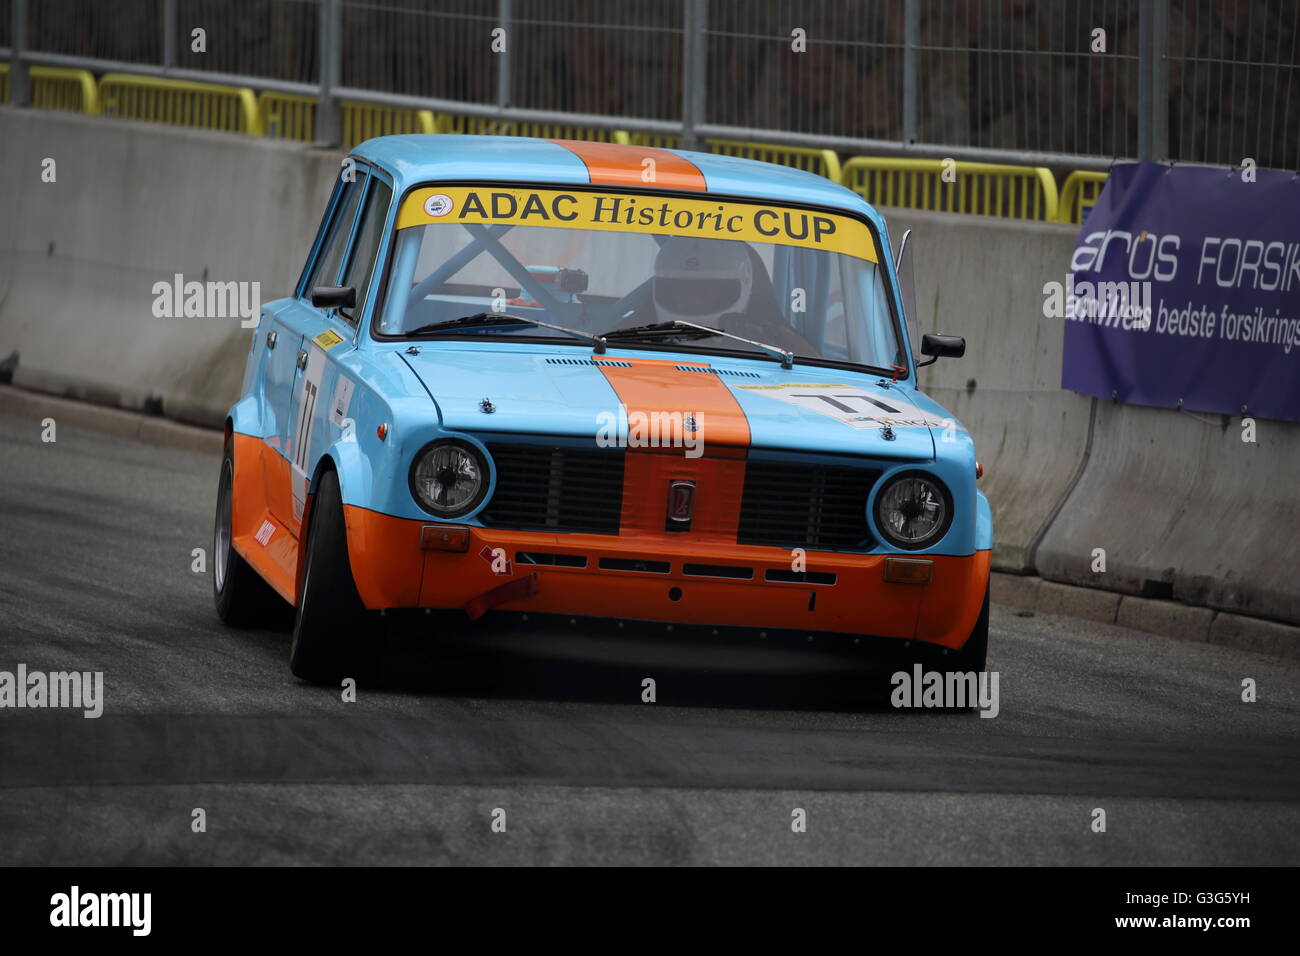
[{"x": 753, "y": 404}]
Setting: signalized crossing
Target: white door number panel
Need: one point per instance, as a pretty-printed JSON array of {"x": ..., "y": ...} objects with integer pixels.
[
  {"x": 342, "y": 400},
  {"x": 305, "y": 419}
]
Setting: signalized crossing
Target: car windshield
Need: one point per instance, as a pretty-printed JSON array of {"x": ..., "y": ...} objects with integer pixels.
[{"x": 806, "y": 281}]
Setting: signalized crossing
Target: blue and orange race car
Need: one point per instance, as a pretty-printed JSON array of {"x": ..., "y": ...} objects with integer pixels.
[{"x": 608, "y": 382}]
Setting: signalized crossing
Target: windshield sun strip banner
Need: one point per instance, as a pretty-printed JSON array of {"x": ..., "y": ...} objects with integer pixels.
[{"x": 641, "y": 213}]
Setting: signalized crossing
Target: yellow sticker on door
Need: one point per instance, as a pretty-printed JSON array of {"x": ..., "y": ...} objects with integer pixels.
[{"x": 328, "y": 339}]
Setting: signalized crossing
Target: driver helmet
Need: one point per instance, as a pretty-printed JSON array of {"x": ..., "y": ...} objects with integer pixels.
[{"x": 700, "y": 280}]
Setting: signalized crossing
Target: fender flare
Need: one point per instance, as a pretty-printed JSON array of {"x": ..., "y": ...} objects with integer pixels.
[
  {"x": 245, "y": 417},
  {"x": 353, "y": 472},
  {"x": 983, "y": 523}
]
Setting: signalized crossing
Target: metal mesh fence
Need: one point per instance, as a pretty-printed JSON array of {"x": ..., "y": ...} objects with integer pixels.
[
  {"x": 404, "y": 46},
  {"x": 1234, "y": 82},
  {"x": 593, "y": 56},
  {"x": 1013, "y": 75},
  {"x": 272, "y": 39},
  {"x": 825, "y": 67},
  {"x": 126, "y": 30},
  {"x": 1005, "y": 77}
]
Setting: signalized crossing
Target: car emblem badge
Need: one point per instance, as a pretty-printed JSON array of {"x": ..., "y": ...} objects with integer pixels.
[{"x": 681, "y": 501}]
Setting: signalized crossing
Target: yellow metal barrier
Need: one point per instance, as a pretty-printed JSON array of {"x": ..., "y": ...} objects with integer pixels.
[
  {"x": 293, "y": 116},
  {"x": 656, "y": 140},
  {"x": 823, "y": 162},
  {"x": 180, "y": 103},
  {"x": 1018, "y": 192},
  {"x": 288, "y": 116},
  {"x": 477, "y": 125},
  {"x": 55, "y": 88},
  {"x": 363, "y": 121},
  {"x": 982, "y": 189},
  {"x": 1080, "y": 192}
]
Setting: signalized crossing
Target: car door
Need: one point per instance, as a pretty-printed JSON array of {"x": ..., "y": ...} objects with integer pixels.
[
  {"x": 295, "y": 369},
  {"x": 321, "y": 387}
]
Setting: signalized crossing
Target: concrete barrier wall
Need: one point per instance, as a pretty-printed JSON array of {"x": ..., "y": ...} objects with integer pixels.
[
  {"x": 131, "y": 205},
  {"x": 983, "y": 278},
  {"x": 1181, "y": 506},
  {"x": 1183, "y": 509}
]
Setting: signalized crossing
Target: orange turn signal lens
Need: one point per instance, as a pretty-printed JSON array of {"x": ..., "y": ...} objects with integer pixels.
[
  {"x": 979, "y": 471},
  {"x": 908, "y": 570},
  {"x": 444, "y": 537}
]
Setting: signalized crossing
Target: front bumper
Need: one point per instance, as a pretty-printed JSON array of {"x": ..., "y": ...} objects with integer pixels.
[{"x": 392, "y": 571}]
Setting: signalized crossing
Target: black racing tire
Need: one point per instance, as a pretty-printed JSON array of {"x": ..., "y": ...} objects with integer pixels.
[
  {"x": 242, "y": 597},
  {"x": 973, "y": 655},
  {"x": 332, "y": 633}
]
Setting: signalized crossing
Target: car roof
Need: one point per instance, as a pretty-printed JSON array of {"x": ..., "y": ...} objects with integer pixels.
[{"x": 413, "y": 159}]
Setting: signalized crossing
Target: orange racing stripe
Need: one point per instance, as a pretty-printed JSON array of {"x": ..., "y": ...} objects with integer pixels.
[
  {"x": 656, "y": 387},
  {"x": 609, "y": 164},
  {"x": 659, "y": 386}
]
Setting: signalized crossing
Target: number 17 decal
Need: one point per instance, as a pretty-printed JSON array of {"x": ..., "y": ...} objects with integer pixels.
[{"x": 306, "y": 420}]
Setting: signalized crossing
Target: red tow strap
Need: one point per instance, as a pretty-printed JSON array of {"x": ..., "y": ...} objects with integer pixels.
[{"x": 515, "y": 590}]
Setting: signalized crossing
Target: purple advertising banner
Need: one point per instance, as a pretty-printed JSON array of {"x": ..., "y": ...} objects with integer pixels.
[{"x": 1184, "y": 292}]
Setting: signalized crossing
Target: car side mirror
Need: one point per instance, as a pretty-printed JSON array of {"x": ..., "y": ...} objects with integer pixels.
[
  {"x": 334, "y": 297},
  {"x": 941, "y": 346}
]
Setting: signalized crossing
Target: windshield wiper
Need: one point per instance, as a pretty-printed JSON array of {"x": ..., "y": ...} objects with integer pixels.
[
  {"x": 489, "y": 319},
  {"x": 657, "y": 329},
  {"x": 682, "y": 327}
]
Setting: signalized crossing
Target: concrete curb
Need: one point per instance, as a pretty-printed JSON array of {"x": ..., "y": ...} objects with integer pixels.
[
  {"x": 111, "y": 421},
  {"x": 1167, "y": 618}
]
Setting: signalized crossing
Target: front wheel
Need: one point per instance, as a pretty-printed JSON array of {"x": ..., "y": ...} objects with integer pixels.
[
  {"x": 332, "y": 638},
  {"x": 969, "y": 659},
  {"x": 974, "y": 653}
]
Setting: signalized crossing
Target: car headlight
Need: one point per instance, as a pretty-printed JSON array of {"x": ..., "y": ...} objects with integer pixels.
[
  {"x": 913, "y": 510},
  {"x": 449, "y": 478}
]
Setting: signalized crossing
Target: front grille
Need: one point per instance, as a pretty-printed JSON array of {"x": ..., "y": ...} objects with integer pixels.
[
  {"x": 635, "y": 564},
  {"x": 806, "y": 506},
  {"x": 718, "y": 571},
  {"x": 551, "y": 488}
]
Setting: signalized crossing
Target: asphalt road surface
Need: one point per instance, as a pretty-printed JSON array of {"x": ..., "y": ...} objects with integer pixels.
[{"x": 96, "y": 575}]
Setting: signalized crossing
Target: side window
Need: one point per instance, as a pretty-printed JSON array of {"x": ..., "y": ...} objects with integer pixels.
[
  {"x": 367, "y": 244},
  {"x": 336, "y": 242}
]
